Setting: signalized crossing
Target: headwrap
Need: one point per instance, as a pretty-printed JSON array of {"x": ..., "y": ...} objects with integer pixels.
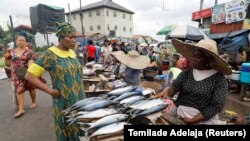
[{"x": 64, "y": 29}]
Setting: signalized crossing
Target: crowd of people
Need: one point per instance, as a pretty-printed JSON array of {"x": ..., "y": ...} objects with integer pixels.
[{"x": 197, "y": 76}]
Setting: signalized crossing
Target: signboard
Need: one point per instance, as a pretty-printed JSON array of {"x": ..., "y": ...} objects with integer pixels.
[
  {"x": 246, "y": 24},
  {"x": 218, "y": 14},
  {"x": 235, "y": 11},
  {"x": 202, "y": 14}
]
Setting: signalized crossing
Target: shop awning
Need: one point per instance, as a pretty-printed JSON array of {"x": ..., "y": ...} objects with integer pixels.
[{"x": 222, "y": 35}]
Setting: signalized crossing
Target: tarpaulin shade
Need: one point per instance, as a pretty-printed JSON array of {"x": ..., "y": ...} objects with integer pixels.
[{"x": 44, "y": 18}]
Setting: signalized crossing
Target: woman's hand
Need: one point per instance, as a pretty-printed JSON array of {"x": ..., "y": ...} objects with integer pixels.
[
  {"x": 54, "y": 93},
  {"x": 159, "y": 95}
]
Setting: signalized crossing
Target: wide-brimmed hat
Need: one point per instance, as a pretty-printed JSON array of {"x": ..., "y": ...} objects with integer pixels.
[
  {"x": 206, "y": 45},
  {"x": 133, "y": 59}
]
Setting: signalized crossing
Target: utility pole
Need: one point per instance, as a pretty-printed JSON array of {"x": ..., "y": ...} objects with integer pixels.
[
  {"x": 13, "y": 33},
  {"x": 81, "y": 18},
  {"x": 201, "y": 4},
  {"x": 216, "y": 2},
  {"x": 69, "y": 14}
]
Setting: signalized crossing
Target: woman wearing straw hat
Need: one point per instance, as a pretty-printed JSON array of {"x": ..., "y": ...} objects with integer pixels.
[
  {"x": 202, "y": 89},
  {"x": 134, "y": 62}
]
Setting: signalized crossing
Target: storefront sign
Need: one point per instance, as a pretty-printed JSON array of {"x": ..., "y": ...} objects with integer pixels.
[
  {"x": 218, "y": 14},
  {"x": 202, "y": 14},
  {"x": 235, "y": 11}
]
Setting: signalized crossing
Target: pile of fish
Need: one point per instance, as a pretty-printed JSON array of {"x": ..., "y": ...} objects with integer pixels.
[{"x": 108, "y": 114}]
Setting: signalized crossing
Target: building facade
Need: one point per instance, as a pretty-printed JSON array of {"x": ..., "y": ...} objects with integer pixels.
[{"x": 103, "y": 17}]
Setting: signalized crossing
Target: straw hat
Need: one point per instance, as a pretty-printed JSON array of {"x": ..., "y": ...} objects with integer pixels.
[
  {"x": 132, "y": 59},
  {"x": 208, "y": 46}
]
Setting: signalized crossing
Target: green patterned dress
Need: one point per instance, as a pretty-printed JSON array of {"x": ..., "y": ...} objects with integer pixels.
[{"x": 66, "y": 75}]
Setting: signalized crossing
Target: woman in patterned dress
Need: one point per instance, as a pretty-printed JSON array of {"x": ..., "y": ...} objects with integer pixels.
[
  {"x": 22, "y": 57},
  {"x": 66, "y": 75}
]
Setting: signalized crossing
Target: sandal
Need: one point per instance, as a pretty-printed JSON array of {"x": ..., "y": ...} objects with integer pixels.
[{"x": 19, "y": 114}]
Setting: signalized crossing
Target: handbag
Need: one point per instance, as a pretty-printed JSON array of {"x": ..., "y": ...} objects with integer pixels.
[{"x": 20, "y": 72}]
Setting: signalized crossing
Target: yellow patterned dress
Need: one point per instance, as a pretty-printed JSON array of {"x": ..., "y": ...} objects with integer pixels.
[{"x": 66, "y": 75}]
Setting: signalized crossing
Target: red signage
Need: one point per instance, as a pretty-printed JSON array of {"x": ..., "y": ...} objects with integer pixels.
[{"x": 202, "y": 14}]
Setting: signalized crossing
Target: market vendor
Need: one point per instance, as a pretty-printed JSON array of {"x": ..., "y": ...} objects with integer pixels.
[
  {"x": 202, "y": 89},
  {"x": 134, "y": 65}
]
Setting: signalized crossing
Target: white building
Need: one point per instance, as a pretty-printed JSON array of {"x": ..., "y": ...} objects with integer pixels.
[{"x": 101, "y": 17}]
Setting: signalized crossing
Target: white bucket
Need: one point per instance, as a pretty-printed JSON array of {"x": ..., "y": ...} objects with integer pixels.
[{"x": 235, "y": 75}]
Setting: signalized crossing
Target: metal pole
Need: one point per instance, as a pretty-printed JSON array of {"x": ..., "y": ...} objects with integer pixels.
[
  {"x": 13, "y": 33},
  {"x": 201, "y": 4},
  {"x": 81, "y": 17},
  {"x": 70, "y": 21},
  {"x": 216, "y": 2}
]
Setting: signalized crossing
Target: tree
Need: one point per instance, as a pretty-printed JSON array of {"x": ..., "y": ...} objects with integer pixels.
[{"x": 2, "y": 35}]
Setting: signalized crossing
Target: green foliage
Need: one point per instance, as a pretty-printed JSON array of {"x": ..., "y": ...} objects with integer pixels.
[{"x": 41, "y": 49}]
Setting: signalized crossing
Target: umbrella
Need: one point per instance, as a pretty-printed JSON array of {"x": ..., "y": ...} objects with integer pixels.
[
  {"x": 187, "y": 32},
  {"x": 166, "y": 30}
]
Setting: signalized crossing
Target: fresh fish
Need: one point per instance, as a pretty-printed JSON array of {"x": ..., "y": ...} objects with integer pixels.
[
  {"x": 131, "y": 100},
  {"x": 82, "y": 103},
  {"x": 109, "y": 129},
  {"x": 97, "y": 105},
  {"x": 105, "y": 121},
  {"x": 149, "y": 104},
  {"x": 138, "y": 103},
  {"x": 99, "y": 113},
  {"x": 127, "y": 94},
  {"x": 151, "y": 110},
  {"x": 120, "y": 91}
]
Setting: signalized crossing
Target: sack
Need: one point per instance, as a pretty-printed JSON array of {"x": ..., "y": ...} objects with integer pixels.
[{"x": 20, "y": 72}]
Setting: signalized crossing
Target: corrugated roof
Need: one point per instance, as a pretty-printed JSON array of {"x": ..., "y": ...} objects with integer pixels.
[{"x": 103, "y": 4}]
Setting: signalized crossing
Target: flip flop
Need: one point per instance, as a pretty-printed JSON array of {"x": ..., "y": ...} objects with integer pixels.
[{"x": 17, "y": 115}]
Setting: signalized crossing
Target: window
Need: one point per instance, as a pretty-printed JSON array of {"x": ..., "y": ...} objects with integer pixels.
[
  {"x": 124, "y": 28},
  {"x": 115, "y": 27},
  {"x": 130, "y": 17},
  {"x": 91, "y": 28},
  {"x": 114, "y": 14},
  {"x": 123, "y": 16},
  {"x": 74, "y": 17},
  {"x": 107, "y": 13},
  {"x": 90, "y": 14},
  {"x": 98, "y": 13},
  {"x": 108, "y": 27},
  {"x": 98, "y": 27},
  {"x": 130, "y": 29}
]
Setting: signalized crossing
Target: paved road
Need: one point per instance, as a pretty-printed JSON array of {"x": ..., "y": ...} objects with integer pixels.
[{"x": 35, "y": 125}]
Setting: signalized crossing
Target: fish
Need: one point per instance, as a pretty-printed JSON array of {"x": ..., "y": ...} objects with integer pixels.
[
  {"x": 139, "y": 103},
  {"x": 109, "y": 129},
  {"x": 105, "y": 121},
  {"x": 149, "y": 104},
  {"x": 96, "y": 114},
  {"x": 99, "y": 113},
  {"x": 131, "y": 100},
  {"x": 82, "y": 103},
  {"x": 97, "y": 105},
  {"x": 127, "y": 94},
  {"x": 150, "y": 111},
  {"x": 120, "y": 91}
]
